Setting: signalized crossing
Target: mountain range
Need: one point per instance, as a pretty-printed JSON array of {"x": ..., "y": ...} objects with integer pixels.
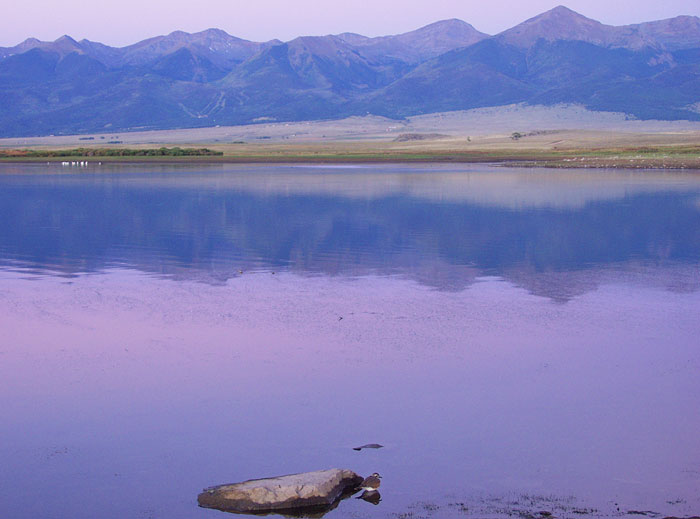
[{"x": 649, "y": 71}]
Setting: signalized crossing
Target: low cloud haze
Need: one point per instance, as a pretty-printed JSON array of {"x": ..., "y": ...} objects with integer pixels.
[{"x": 127, "y": 21}]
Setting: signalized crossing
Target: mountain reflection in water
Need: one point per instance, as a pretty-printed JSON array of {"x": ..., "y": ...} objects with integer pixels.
[
  {"x": 555, "y": 233},
  {"x": 131, "y": 386}
]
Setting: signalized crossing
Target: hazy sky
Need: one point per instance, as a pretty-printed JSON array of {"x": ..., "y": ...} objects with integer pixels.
[{"x": 121, "y": 22}]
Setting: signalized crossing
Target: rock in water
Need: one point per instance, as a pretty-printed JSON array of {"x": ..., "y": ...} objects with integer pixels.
[
  {"x": 368, "y": 446},
  {"x": 320, "y": 489}
]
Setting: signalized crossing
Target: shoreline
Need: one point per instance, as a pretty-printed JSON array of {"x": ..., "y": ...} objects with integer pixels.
[
  {"x": 550, "y": 149},
  {"x": 588, "y": 161}
]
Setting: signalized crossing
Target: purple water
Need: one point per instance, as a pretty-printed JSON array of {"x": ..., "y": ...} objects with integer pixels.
[
  {"x": 124, "y": 395},
  {"x": 125, "y": 391}
]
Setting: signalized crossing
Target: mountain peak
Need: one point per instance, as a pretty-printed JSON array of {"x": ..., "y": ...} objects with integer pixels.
[
  {"x": 449, "y": 26},
  {"x": 680, "y": 32},
  {"x": 63, "y": 45},
  {"x": 436, "y": 38},
  {"x": 562, "y": 10},
  {"x": 328, "y": 46},
  {"x": 417, "y": 45},
  {"x": 353, "y": 38},
  {"x": 560, "y": 14},
  {"x": 449, "y": 22},
  {"x": 559, "y": 23},
  {"x": 65, "y": 39},
  {"x": 177, "y": 36},
  {"x": 214, "y": 32}
]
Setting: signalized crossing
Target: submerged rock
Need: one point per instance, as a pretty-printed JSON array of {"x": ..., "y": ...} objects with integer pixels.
[{"x": 295, "y": 492}]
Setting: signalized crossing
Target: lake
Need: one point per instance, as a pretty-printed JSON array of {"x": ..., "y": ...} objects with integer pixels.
[{"x": 519, "y": 340}]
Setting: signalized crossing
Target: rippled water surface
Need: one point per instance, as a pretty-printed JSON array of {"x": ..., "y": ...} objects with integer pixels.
[{"x": 520, "y": 341}]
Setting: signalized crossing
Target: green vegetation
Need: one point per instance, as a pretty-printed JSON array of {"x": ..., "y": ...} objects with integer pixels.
[{"x": 111, "y": 152}]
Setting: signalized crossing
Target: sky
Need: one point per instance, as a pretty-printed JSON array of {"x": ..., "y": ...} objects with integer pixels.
[{"x": 122, "y": 22}]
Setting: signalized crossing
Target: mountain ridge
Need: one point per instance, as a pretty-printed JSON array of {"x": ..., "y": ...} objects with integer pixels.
[
  {"x": 562, "y": 23},
  {"x": 649, "y": 70}
]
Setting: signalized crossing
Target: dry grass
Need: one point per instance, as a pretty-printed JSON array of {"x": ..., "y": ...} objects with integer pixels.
[{"x": 521, "y": 135}]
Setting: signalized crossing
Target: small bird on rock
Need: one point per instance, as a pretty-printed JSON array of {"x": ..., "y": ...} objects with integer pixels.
[{"x": 371, "y": 483}]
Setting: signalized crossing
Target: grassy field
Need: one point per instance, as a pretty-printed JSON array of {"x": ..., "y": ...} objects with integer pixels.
[{"x": 655, "y": 147}]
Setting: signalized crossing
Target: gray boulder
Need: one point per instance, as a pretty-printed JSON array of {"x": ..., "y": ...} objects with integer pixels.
[{"x": 296, "y": 492}]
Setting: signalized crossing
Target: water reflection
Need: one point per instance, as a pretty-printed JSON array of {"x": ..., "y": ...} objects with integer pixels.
[
  {"x": 441, "y": 226},
  {"x": 371, "y": 496}
]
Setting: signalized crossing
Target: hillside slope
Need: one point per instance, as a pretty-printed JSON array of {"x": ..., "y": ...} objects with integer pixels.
[{"x": 181, "y": 80}]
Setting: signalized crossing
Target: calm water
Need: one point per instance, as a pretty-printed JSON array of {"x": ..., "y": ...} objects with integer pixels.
[{"x": 519, "y": 340}]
